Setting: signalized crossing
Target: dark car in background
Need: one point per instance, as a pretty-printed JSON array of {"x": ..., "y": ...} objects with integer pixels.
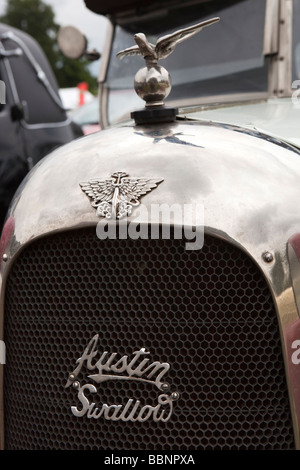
[{"x": 32, "y": 120}]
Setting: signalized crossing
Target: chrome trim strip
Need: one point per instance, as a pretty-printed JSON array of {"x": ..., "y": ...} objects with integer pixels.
[
  {"x": 103, "y": 105},
  {"x": 102, "y": 89},
  {"x": 218, "y": 100},
  {"x": 46, "y": 125},
  {"x": 105, "y": 54},
  {"x": 284, "y": 62},
  {"x": 271, "y": 42}
]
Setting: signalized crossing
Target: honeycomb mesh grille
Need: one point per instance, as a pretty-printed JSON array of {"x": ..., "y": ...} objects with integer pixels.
[{"x": 208, "y": 313}]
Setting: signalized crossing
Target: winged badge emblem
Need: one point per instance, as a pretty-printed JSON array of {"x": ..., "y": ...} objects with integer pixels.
[{"x": 115, "y": 197}]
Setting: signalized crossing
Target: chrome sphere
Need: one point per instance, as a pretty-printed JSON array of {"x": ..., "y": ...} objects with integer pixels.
[{"x": 153, "y": 84}]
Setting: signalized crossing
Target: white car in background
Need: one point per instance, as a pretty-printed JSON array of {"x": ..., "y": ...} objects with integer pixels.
[
  {"x": 87, "y": 117},
  {"x": 73, "y": 97}
]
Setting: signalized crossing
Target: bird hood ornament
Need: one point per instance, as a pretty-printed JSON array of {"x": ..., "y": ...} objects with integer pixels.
[{"x": 153, "y": 83}]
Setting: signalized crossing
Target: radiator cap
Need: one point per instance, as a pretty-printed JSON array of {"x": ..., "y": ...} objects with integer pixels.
[{"x": 153, "y": 83}]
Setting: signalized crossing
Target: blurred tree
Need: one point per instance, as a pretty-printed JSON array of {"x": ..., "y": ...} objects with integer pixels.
[{"x": 36, "y": 18}]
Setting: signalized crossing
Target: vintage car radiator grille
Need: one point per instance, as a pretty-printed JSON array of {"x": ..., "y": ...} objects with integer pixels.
[{"x": 208, "y": 313}]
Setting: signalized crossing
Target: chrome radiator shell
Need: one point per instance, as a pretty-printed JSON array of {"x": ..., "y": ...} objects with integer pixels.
[{"x": 247, "y": 182}]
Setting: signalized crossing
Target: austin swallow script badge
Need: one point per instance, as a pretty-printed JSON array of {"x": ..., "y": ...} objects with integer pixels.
[
  {"x": 110, "y": 367},
  {"x": 115, "y": 197}
]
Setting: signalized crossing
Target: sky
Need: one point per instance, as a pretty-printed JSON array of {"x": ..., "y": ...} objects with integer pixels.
[{"x": 75, "y": 13}]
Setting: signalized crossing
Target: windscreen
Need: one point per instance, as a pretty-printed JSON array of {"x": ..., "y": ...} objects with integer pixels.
[{"x": 225, "y": 58}]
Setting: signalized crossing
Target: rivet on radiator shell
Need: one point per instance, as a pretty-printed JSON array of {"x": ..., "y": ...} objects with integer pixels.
[
  {"x": 76, "y": 384},
  {"x": 5, "y": 257},
  {"x": 268, "y": 257},
  {"x": 175, "y": 395}
]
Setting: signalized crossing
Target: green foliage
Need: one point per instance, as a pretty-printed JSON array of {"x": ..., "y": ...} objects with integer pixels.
[{"x": 37, "y": 19}]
